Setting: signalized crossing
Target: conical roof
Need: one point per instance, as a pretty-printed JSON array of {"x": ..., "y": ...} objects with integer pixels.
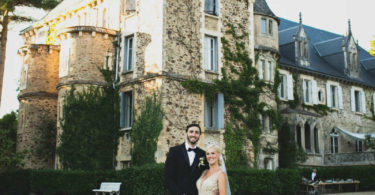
[{"x": 261, "y": 7}]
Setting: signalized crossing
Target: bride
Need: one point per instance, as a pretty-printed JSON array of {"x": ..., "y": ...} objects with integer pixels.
[{"x": 214, "y": 180}]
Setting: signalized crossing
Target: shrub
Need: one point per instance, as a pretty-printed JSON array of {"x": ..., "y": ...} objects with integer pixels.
[{"x": 149, "y": 179}]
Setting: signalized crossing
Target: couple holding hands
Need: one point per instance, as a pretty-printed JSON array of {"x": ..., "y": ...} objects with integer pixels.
[{"x": 190, "y": 170}]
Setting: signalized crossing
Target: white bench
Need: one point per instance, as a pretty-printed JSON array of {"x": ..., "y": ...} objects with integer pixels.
[{"x": 108, "y": 187}]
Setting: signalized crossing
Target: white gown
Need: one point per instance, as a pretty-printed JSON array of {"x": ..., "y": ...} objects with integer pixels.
[{"x": 210, "y": 186}]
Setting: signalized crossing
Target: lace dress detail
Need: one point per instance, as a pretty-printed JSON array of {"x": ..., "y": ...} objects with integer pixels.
[{"x": 210, "y": 185}]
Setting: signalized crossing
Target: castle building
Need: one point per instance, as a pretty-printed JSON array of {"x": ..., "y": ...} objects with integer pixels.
[{"x": 161, "y": 43}]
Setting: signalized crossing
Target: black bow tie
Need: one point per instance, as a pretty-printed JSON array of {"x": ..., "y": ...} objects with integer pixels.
[{"x": 191, "y": 149}]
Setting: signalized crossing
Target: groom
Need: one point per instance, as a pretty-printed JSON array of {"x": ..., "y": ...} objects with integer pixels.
[{"x": 185, "y": 164}]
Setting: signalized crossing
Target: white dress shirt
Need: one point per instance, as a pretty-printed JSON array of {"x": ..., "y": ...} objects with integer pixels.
[{"x": 191, "y": 154}]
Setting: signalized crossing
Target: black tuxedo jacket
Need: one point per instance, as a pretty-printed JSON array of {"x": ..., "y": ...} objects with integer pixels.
[{"x": 180, "y": 177}]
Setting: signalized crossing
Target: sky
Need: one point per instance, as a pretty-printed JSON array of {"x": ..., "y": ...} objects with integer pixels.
[{"x": 330, "y": 15}]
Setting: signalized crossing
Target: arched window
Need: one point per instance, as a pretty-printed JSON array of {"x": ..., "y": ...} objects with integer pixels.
[
  {"x": 307, "y": 137},
  {"x": 316, "y": 140},
  {"x": 298, "y": 135}
]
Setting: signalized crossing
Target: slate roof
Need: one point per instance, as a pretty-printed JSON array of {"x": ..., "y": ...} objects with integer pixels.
[
  {"x": 326, "y": 55},
  {"x": 261, "y": 7}
]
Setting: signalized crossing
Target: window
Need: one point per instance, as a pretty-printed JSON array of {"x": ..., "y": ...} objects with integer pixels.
[
  {"x": 270, "y": 25},
  {"x": 263, "y": 69},
  {"x": 263, "y": 26},
  {"x": 298, "y": 135},
  {"x": 129, "y": 53},
  {"x": 285, "y": 89},
  {"x": 316, "y": 140},
  {"x": 359, "y": 146},
  {"x": 130, "y": 5},
  {"x": 357, "y": 97},
  {"x": 334, "y": 141},
  {"x": 211, "y": 7},
  {"x": 358, "y": 100},
  {"x": 264, "y": 122},
  {"x": 307, "y": 137},
  {"x": 268, "y": 163},
  {"x": 214, "y": 112},
  {"x": 334, "y": 96},
  {"x": 126, "y": 114},
  {"x": 282, "y": 87},
  {"x": 266, "y": 27},
  {"x": 210, "y": 53},
  {"x": 269, "y": 71},
  {"x": 306, "y": 91}
]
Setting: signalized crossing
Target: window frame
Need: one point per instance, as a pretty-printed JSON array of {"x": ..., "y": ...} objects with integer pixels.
[
  {"x": 127, "y": 110},
  {"x": 334, "y": 142},
  {"x": 211, "y": 53},
  {"x": 214, "y": 112},
  {"x": 215, "y": 7},
  {"x": 129, "y": 66},
  {"x": 283, "y": 87}
]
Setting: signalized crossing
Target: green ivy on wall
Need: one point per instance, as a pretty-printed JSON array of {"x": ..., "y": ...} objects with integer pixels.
[
  {"x": 242, "y": 88},
  {"x": 145, "y": 131},
  {"x": 90, "y": 125}
]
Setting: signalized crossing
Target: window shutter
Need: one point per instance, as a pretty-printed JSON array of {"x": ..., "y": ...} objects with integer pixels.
[
  {"x": 279, "y": 90},
  {"x": 329, "y": 97},
  {"x": 206, "y": 122},
  {"x": 215, "y": 112},
  {"x": 314, "y": 92},
  {"x": 207, "y": 5},
  {"x": 373, "y": 101},
  {"x": 215, "y": 60},
  {"x": 220, "y": 103},
  {"x": 304, "y": 90},
  {"x": 363, "y": 102},
  {"x": 207, "y": 52},
  {"x": 125, "y": 54},
  {"x": 132, "y": 108},
  {"x": 352, "y": 100},
  {"x": 289, "y": 81},
  {"x": 216, "y": 7},
  {"x": 122, "y": 110},
  {"x": 339, "y": 93}
]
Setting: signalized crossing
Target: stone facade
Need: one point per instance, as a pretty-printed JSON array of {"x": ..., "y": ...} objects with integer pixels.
[
  {"x": 160, "y": 44},
  {"x": 38, "y": 100}
]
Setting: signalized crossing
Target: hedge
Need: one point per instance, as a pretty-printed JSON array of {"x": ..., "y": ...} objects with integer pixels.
[{"x": 150, "y": 180}]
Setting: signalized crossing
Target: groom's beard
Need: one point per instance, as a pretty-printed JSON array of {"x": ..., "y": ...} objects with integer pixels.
[{"x": 192, "y": 142}]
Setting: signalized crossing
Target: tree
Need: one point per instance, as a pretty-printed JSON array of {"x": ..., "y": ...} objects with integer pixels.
[
  {"x": 146, "y": 130},
  {"x": 9, "y": 158},
  {"x": 7, "y": 15},
  {"x": 372, "y": 51}
]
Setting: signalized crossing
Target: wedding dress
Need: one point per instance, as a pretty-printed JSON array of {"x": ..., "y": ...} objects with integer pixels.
[{"x": 210, "y": 185}]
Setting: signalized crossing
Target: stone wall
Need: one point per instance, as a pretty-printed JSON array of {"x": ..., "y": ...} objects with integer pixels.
[
  {"x": 343, "y": 118},
  {"x": 38, "y": 100}
]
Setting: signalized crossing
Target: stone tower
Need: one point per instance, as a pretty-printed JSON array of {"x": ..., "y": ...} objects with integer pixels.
[
  {"x": 267, "y": 49},
  {"x": 38, "y": 99},
  {"x": 84, "y": 51}
]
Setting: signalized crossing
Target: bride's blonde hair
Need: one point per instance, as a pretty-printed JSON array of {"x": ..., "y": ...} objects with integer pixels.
[{"x": 217, "y": 148}]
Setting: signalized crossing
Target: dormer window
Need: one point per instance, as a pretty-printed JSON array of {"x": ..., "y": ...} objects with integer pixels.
[
  {"x": 302, "y": 46},
  {"x": 351, "y": 55}
]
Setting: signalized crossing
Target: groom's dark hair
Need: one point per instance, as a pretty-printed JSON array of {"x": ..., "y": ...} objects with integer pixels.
[{"x": 194, "y": 125}]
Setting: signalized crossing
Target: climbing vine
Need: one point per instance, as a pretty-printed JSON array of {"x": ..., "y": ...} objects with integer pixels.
[
  {"x": 145, "y": 131},
  {"x": 90, "y": 125},
  {"x": 242, "y": 88},
  {"x": 47, "y": 139}
]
